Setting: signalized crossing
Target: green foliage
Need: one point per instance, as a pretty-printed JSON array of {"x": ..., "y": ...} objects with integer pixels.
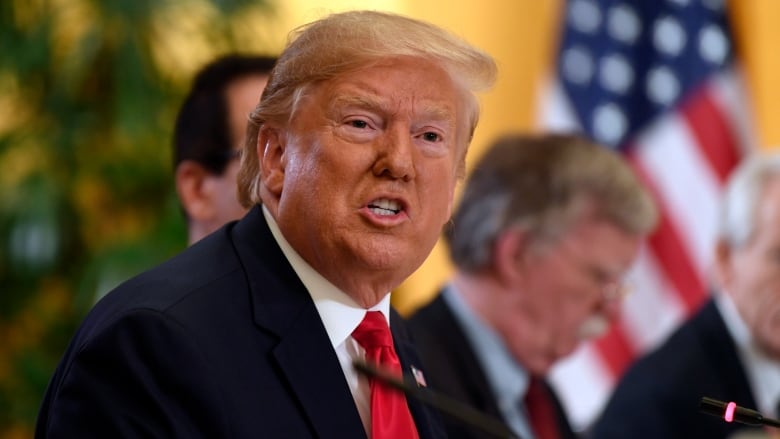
[{"x": 88, "y": 93}]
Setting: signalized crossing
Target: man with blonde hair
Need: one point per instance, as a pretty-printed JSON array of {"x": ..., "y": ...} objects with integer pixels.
[
  {"x": 541, "y": 240},
  {"x": 349, "y": 169}
]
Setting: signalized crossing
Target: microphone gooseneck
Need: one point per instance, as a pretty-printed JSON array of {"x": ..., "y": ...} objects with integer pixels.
[
  {"x": 451, "y": 407},
  {"x": 731, "y": 412}
]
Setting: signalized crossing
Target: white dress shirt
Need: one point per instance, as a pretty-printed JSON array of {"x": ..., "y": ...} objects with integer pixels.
[{"x": 341, "y": 315}]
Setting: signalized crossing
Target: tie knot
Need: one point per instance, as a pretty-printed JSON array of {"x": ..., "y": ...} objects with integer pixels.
[
  {"x": 535, "y": 389},
  {"x": 373, "y": 331}
]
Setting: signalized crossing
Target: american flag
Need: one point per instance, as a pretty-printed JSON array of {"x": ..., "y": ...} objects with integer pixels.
[{"x": 655, "y": 80}]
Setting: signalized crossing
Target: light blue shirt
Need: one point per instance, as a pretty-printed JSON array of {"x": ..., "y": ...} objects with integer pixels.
[{"x": 508, "y": 380}]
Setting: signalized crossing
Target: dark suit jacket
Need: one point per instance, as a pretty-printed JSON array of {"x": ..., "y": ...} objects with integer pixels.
[
  {"x": 452, "y": 368},
  {"x": 222, "y": 341},
  {"x": 659, "y": 395}
]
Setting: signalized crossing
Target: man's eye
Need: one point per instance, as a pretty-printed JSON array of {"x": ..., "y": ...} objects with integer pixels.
[
  {"x": 359, "y": 123},
  {"x": 431, "y": 137}
]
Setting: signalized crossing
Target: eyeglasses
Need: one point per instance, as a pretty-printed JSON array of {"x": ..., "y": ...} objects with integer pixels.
[{"x": 610, "y": 282}]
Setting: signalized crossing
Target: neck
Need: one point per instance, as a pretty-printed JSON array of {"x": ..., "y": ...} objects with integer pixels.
[
  {"x": 195, "y": 233},
  {"x": 479, "y": 292},
  {"x": 363, "y": 293}
]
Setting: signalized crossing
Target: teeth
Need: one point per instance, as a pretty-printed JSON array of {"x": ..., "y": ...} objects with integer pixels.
[
  {"x": 384, "y": 203},
  {"x": 385, "y": 206}
]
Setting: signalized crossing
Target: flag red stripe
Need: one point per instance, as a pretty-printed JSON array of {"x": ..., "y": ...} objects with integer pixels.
[
  {"x": 712, "y": 132},
  {"x": 670, "y": 252},
  {"x": 673, "y": 258},
  {"x": 615, "y": 350}
]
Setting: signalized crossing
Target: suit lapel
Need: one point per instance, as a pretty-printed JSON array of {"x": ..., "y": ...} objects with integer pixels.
[
  {"x": 458, "y": 347},
  {"x": 723, "y": 357},
  {"x": 471, "y": 377},
  {"x": 304, "y": 355},
  {"x": 312, "y": 369},
  {"x": 428, "y": 424}
]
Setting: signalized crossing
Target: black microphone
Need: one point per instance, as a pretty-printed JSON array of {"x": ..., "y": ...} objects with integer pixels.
[
  {"x": 731, "y": 412},
  {"x": 456, "y": 409}
]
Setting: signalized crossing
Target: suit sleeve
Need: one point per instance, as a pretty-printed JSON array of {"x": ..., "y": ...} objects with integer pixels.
[{"x": 141, "y": 376}]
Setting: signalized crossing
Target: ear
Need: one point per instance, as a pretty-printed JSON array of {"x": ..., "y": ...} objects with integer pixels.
[
  {"x": 451, "y": 201},
  {"x": 508, "y": 254},
  {"x": 191, "y": 186},
  {"x": 271, "y": 151}
]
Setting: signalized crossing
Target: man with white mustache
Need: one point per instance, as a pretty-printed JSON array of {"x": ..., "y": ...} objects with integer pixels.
[{"x": 541, "y": 240}]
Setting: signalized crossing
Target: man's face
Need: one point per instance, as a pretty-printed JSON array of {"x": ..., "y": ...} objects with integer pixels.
[
  {"x": 242, "y": 95},
  {"x": 751, "y": 273},
  {"x": 366, "y": 172},
  {"x": 564, "y": 284}
]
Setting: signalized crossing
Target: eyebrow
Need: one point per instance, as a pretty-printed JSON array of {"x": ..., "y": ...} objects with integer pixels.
[
  {"x": 433, "y": 111},
  {"x": 356, "y": 101}
]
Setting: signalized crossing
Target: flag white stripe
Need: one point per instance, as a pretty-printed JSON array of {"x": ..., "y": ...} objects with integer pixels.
[
  {"x": 672, "y": 160},
  {"x": 583, "y": 383},
  {"x": 651, "y": 310}
]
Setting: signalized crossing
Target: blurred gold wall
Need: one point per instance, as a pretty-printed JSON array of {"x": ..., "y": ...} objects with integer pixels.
[{"x": 521, "y": 35}]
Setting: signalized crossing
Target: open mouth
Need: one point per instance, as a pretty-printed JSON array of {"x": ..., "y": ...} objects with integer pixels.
[{"x": 385, "y": 207}]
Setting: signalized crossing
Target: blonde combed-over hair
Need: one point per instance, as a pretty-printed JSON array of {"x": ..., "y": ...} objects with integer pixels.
[{"x": 345, "y": 42}]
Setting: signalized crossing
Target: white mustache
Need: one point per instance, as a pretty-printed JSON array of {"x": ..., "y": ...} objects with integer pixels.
[{"x": 595, "y": 326}]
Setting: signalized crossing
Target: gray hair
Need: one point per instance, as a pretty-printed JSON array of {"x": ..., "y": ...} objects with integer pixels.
[
  {"x": 345, "y": 42},
  {"x": 742, "y": 195},
  {"x": 541, "y": 184}
]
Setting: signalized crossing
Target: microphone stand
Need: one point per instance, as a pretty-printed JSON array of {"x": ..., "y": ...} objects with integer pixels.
[
  {"x": 451, "y": 407},
  {"x": 731, "y": 412}
]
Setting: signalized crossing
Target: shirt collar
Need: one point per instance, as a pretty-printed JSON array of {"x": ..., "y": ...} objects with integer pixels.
[
  {"x": 339, "y": 312},
  {"x": 507, "y": 379}
]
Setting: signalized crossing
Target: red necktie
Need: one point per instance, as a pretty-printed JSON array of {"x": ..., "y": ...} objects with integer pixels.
[
  {"x": 540, "y": 410},
  {"x": 390, "y": 416}
]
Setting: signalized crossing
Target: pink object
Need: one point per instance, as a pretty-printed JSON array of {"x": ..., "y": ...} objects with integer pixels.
[{"x": 730, "y": 408}]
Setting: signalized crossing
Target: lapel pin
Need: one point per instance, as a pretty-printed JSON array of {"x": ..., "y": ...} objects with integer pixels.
[{"x": 419, "y": 378}]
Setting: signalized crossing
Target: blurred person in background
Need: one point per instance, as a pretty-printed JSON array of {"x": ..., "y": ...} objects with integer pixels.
[
  {"x": 208, "y": 137},
  {"x": 541, "y": 240},
  {"x": 349, "y": 169},
  {"x": 730, "y": 349}
]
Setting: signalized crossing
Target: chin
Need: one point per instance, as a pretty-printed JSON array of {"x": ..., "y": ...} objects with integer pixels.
[
  {"x": 542, "y": 364},
  {"x": 543, "y": 368},
  {"x": 388, "y": 265},
  {"x": 389, "y": 253},
  {"x": 770, "y": 343}
]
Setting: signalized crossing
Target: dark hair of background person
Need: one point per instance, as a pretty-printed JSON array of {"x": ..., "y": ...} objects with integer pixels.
[{"x": 202, "y": 129}]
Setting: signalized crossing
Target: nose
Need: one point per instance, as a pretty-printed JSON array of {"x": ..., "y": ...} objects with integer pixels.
[{"x": 395, "y": 156}]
